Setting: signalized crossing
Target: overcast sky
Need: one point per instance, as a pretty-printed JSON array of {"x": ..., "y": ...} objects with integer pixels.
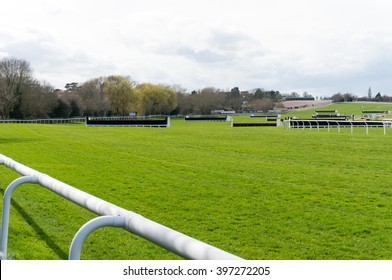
[{"x": 319, "y": 46}]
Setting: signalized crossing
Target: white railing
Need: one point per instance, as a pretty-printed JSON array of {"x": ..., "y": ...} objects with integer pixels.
[
  {"x": 47, "y": 121},
  {"x": 325, "y": 123},
  {"x": 176, "y": 242}
]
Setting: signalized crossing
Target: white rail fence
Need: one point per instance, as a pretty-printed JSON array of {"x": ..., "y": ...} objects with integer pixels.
[
  {"x": 109, "y": 215},
  {"x": 47, "y": 121},
  {"x": 319, "y": 124}
]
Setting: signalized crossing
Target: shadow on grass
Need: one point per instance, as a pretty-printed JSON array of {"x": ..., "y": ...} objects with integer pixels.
[{"x": 43, "y": 235}]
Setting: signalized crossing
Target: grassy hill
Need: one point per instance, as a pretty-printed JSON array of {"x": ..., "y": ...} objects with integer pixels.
[
  {"x": 257, "y": 192},
  {"x": 345, "y": 109}
]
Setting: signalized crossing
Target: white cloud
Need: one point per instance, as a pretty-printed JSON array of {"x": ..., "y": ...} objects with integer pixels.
[{"x": 311, "y": 45}]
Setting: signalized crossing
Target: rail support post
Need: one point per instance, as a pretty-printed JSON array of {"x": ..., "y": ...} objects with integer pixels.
[
  {"x": 6, "y": 210},
  {"x": 88, "y": 228}
]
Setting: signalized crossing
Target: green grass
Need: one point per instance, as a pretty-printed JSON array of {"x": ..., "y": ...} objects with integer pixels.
[{"x": 257, "y": 192}]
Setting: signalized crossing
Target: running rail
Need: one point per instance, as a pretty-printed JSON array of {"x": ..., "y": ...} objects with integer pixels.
[{"x": 176, "y": 242}]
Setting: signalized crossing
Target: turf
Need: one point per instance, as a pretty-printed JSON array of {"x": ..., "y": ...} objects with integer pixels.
[{"x": 257, "y": 192}]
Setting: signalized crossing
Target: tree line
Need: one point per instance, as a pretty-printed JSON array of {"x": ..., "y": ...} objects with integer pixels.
[
  {"x": 24, "y": 97},
  {"x": 349, "y": 97}
]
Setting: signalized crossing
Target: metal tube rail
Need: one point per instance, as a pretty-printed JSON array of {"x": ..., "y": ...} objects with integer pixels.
[
  {"x": 88, "y": 228},
  {"x": 174, "y": 241}
]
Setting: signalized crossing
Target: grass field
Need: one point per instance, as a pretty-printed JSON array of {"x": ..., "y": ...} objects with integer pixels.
[{"x": 257, "y": 192}]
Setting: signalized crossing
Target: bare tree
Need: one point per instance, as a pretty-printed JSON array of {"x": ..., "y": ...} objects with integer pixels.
[
  {"x": 14, "y": 75},
  {"x": 184, "y": 103},
  {"x": 38, "y": 100},
  {"x": 262, "y": 105},
  {"x": 206, "y": 100},
  {"x": 91, "y": 99}
]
